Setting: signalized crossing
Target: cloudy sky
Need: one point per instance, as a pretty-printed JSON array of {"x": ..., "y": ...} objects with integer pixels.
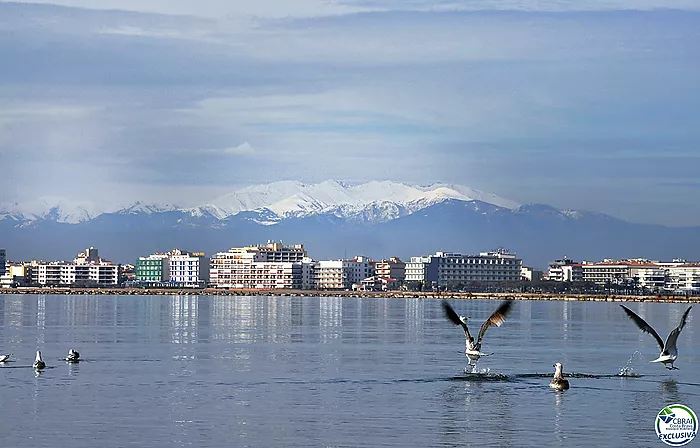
[{"x": 589, "y": 104}]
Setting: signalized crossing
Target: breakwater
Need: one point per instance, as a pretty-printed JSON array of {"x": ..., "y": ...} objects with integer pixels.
[{"x": 356, "y": 294}]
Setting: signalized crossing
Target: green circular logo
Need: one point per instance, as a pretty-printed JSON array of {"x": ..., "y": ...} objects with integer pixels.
[{"x": 676, "y": 425}]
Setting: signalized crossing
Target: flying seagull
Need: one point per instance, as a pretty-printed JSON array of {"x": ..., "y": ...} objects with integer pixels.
[
  {"x": 669, "y": 353},
  {"x": 473, "y": 350},
  {"x": 38, "y": 362},
  {"x": 558, "y": 382},
  {"x": 73, "y": 356}
]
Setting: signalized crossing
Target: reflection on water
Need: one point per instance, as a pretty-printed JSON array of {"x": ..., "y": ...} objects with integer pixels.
[{"x": 303, "y": 371}]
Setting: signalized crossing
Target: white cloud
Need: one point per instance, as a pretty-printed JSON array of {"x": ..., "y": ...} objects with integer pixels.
[{"x": 130, "y": 100}]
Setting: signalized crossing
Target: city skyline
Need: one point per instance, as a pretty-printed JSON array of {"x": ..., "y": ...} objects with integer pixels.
[{"x": 578, "y": 105}]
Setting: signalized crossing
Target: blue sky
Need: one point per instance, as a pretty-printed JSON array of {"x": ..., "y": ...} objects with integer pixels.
[{"x": 577, "y": 104}]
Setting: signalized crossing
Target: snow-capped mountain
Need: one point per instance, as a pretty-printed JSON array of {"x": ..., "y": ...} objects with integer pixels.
[
  {"x": 377, "y": 219},
  {"x": 376, "y": 201},
  {"x": 58, "y": 209}
]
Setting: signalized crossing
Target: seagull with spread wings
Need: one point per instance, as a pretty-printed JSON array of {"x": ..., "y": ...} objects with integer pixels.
[
  {"x": 669, "y": 353},
  {"x": 473, "y": 350}
]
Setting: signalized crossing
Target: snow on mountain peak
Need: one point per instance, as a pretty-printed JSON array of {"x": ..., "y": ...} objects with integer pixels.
[
  {"x": 58, "y": 209},
  {"x": 288, "y": 198},
  {"x": 372, "y": 201}
]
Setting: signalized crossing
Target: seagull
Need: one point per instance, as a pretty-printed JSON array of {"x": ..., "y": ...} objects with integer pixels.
[
  {"x": 558, "y": 382},
  {"x": 38, "y": 362},
  {"x": 473, "y": 350},
  {"x": 73, "y": 356},
  {"x": 669, "y": 353},
  {"x": 5, "y": 358}
]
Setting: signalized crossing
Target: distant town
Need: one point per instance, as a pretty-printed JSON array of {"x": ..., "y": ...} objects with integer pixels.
[{"x": 276, "y": 266}]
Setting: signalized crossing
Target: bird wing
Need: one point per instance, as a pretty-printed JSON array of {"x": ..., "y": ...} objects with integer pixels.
[
  {"x": 453, "y": 317},
  {"x": 495, "y": 319},
  {"x": 670, "y": 345},
  {"x": 643, "y": 325}
]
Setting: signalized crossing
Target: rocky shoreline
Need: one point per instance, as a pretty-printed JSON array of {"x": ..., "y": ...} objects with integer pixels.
[{"x": 355, "y": 294}]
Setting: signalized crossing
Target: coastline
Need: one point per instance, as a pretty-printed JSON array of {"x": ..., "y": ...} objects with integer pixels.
[{"x": 349, "y": 294}]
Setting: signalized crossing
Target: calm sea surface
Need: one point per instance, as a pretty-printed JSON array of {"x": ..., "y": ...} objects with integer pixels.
[{"x": 174, "y": 371}]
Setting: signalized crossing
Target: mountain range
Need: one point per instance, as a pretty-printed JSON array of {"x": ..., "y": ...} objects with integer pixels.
[{"x": 337, "y": 220}]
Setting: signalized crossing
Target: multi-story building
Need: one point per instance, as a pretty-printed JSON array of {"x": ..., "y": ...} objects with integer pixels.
[
  {"x": 270, "y": 252},
  {"x": 189, "y": 269},
  {"x": 448, "y": 268},
  {"x": 16, "y": 274},
  {"x": 87, "y": 269},
  {"x": 391, "y": 268},
  {"x": 341, "y": 274},
  {"x": 422, "y": 270},
  {"x": 270, "y": 266},
  {"x": 154, "y": 268},
  {"x": 486, "y": 267},
  {"x": 564, "y": 270},
  {"x": 67, "y": 274},
  {"x": 177, "y": 267},
  {"x": 684, "y": 278},
  {"x": 531, "y": 275},
  {"x": 3, "y": 260},
  {"x": 605, "y": 272},
  {"x": 676, "y": 276}
]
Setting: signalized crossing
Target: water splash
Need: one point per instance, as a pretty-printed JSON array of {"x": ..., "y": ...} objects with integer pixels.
[
  {"x": 628, "y": 369},
  {"x": 475, "y": 370}
]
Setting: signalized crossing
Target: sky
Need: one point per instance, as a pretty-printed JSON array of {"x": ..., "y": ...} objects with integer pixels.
[{"x": 578, "y": 104}]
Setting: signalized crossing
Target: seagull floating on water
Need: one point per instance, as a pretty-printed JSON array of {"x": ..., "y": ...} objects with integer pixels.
[
  {"x": 473, "y": 349},
  {"x": 73, "y": 356},
  {"x": 558, "y": 382},
  {"x": 669, "y": 353},
  {"x": 5, "y": 358},
  {"x": 38, "y": 362}
]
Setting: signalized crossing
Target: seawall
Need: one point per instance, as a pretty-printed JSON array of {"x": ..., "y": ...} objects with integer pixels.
[{"x": 356, "y": 294}]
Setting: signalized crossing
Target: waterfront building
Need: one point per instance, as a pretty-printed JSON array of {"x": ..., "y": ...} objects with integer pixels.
[
  {"x": 3, "y": 260},
  {"x": 498, "y": 266},
  {"x": 342, "y": 274},
  {"x": 391, "y": 268},
  {"x": 531, "y": 275},
  {"x": 450, "y": 268},
  {"x": 684, "y": 278},
  {"x": 188, "y": 268},
  {"x": 61, "y": 273},
  {"x": 606, "y": 272},
  {"x": 677, "y": 276},
  {"x": 565, "y": 270},
  {"x": 14, "y": 275},
  {"x": 176, "y": 268},
  {"x": 422, "y": 270},
  {"x": 154, "y": 268},
  {"x": 269, "y": 266}
]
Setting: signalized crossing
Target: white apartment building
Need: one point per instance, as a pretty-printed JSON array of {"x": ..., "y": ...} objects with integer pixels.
[
  {"x": 565, "y": 270},
  {"x": 684, "y": 278},
  {"x": 188, "y": 268},
  {"x": 446, "y": 268},
  {"x": 391, "y": 268},
  {"x": 67, "y": 274},
  {"x": 270, "y": 266},
  {"x": 421, "y": 270},
  {"x": 342, "y": 274},
  {"x": 607, "y": 272},
  {"x": 677, "y": 276}
]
